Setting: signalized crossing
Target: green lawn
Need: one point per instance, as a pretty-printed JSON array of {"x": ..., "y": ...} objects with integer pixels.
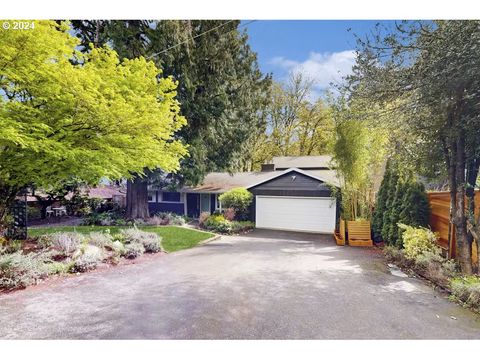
[{"x": 174, "y": 238}]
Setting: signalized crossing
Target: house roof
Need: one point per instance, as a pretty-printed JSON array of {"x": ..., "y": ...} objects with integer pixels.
[
  {"x": 302, "y": 162},
  {"x": 105, "y": 192},
  {"x": 219, "y": 182},
  {"x": 102, "y": 192}
]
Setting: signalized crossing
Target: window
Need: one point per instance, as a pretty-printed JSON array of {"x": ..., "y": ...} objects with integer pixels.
[
  {"x": 218, "y": 203},
  {"x": 152, "y": 196},
  {"x": 171, "y": 196}
]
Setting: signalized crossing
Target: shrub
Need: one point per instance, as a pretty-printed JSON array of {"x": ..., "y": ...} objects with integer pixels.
[
  {"x": 203, "y": 217},
  {"x": 213, "y": 221},
  {"x": 134, "y": 249},
  {"x": 33, "y": 212},
  {"x": 150, "y": 241},
  {"x": 156, "y": 220},
  {"x": 168, "y": 218},
  {"x": 218, "y": 223},
  {"x": 238, "y": 199},
  {"x": 56, "y": 267},
  {"x": 14, "y": 246},
  {"x": 467, "y": 290},
  {"x": 118, "y": 237},
  {"x": 100, "y": 239},
  {"x": 109, "y": 218},
  {"x": 418, "y": 240},
  {"x": 67, "y": 242},
  {"x": 229, "y": 214},
  {"x": 242, "y": 226},
  {"x": 118, "y": 248},
  {"x": 87, "y": 257},
  {"x": 18, "y": 270},
  {"x": 395, "y": 255}
]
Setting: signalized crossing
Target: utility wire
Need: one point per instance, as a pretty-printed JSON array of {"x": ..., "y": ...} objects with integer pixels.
[{"x": 201, "y": 34}]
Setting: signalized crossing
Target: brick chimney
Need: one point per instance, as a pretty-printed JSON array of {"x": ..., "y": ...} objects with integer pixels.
[{"x": 268, "y": 167}]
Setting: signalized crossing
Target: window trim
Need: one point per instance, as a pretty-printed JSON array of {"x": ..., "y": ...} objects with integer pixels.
[
  {"x": 218, "y": 203},
  {"x": 154, "y": 196}
]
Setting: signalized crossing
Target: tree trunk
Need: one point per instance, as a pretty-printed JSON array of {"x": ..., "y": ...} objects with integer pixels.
[
  {"x": 464, "y": 246},
  {"x": 137, "y": 198},
  {"x": 7, "y": 197}
]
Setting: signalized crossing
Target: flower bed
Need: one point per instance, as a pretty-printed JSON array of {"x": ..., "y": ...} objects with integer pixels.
[
  {"x": 71, "y": 252},
  {"x": 423, "y": 257}
]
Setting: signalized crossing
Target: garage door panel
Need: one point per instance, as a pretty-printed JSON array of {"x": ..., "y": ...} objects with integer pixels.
[{"x": 296, "y": 213}]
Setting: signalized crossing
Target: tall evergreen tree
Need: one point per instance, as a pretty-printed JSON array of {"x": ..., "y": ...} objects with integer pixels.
[
  {"x": 381, "y": 202},
  {"x": 220, "y": 86},
  {"x": 390, "y": 198},
  {"x": 416, "y": 208},
  {"x": 396, "y": 208}
]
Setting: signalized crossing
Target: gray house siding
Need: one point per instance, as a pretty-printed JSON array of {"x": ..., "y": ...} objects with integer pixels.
[
  {"x": 290, "y": 184},
  {"x": 293, "y": 184}
]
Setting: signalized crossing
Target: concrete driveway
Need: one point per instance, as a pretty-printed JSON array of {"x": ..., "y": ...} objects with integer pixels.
[{"x": 264, "y": 285}]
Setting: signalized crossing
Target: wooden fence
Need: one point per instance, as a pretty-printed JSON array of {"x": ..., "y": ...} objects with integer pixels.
[{"x": 440, "y": 221}]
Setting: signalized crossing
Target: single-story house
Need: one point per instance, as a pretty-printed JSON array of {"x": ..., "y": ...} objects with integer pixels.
[{"x": 290, "y": 193}]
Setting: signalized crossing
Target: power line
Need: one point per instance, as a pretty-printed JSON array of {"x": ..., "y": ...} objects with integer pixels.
[{"x": 201, "y": 34}]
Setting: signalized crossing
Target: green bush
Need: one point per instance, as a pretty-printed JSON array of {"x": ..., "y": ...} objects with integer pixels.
[
  {"x": 33, "y": 212},
  {"x": 467, "y": 290},
  {"x": 109, "y": 218},
  {"x": 401, "y": 199},
  {"x": 416, "y": 241},
  {"x": 218, "y": 223},
  {"x": 238, "y": 199}
]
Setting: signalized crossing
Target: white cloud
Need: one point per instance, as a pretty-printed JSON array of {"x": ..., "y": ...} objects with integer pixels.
[{"x": 322, "y": 68}]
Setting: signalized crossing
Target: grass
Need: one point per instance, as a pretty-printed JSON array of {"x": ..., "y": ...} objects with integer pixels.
[{"x": 174, "y": 238}]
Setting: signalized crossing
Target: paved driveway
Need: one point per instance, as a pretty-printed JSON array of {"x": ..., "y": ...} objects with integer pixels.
[{"x": 259, "y": 286}]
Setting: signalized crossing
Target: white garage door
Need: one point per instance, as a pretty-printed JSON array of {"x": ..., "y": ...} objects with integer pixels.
[{"x": 295, "y": 213}]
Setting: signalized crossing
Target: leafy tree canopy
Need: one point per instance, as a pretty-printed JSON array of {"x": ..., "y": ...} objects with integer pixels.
[{"x": 87, "y": 115}]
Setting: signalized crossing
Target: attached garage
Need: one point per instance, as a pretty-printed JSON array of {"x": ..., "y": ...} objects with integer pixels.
[
  {"x": 310, "y": 214},
  {"x": 295, "y": 200}
]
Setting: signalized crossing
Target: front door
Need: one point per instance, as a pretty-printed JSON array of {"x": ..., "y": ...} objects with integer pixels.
[
  {"x": 193, "y": 205},
  {"x": 205, "y": 203}
]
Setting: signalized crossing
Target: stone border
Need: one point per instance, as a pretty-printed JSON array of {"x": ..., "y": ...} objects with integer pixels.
[{"x": 206, "y": 241}]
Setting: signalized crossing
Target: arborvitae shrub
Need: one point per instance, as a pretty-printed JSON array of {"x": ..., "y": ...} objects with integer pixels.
[{"x": 381, "y": 202}]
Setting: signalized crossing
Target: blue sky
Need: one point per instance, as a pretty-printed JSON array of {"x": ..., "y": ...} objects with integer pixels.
[{"x": 321, "y": 49}]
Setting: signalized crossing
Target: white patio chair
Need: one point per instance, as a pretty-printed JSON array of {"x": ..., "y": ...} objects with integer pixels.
[{"x": 49, "y": 211}]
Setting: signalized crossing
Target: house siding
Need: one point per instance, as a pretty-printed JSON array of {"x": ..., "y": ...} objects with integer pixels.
[
  {"x": 293, "y": 184},
  {"x": 285, "y": 185}
]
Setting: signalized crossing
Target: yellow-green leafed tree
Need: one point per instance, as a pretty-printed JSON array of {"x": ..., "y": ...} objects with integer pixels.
[{"x": 66, "y": 114}]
